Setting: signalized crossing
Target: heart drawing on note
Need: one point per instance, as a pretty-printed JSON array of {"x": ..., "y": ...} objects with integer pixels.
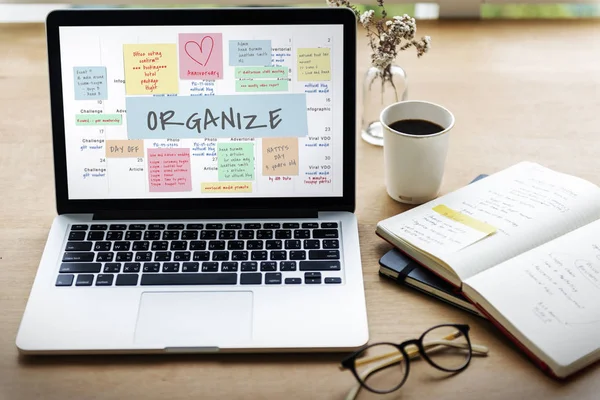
[{"x": 200, "y": 52}]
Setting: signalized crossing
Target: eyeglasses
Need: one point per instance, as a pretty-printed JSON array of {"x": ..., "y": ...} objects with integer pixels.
[{"x": 383, "y": 367}]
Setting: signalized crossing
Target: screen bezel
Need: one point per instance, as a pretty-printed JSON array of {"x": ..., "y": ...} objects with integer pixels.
[{"x": 224, "y": 16}]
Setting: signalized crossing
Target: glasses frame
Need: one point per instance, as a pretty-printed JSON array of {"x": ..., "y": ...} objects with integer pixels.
[{"x": 350, "y": 361}]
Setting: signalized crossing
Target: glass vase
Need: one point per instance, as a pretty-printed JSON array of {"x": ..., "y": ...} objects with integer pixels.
[{"x": 381, "y": 87}]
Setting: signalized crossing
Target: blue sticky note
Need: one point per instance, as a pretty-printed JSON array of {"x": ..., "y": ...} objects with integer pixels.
[
  {"x": 250, "y": 53},
  {"x": 221, "y": 116},
  {"x": 90, "y": 83}
]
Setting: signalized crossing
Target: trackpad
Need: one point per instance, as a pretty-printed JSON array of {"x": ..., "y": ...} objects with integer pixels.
[{"x": 194, "y": 319}]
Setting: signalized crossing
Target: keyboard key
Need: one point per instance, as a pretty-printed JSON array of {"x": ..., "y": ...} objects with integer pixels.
[
  {"x": 64, "y": 280},
  {"x": 272, "y": 225},
  {"x": 160, "y": 245},
  {"x": 214, "y": 226},
  {"x": 131, "y": 267},
  {"x": 137, "y": 227},
  {"x": 201, "y": 256},
  {"x": 195, "y": 226},
  {"x": 310, "y": 225},
  {"x": 312, "y": 244},
  {"x": 99, "y": 227},
  {"x": 293, "y": 281},
  {"x": 312, "y": 278},
  {"x": 287, "y": 234},
  {"x": 105, "y": 256},
  {"x": 79, "y": 227},
  {"x": 133, "y": 235},
  {"x": 78, "y": 256},
  {"x": 158, "y": 227},
  {"x": 95, "y": 235},
  {"x": 125, "y": 256},
  {"x": 249, "y": 266},
  {"x": 278, "y": 255},
  {"x": 198, "y": 245},
  {"x": 190, "y": 267},
  {"x": 104, "y": 280},
  {"x": 229, "y": 266},
  {"x": 220, "y": 255},
  {"x": 331, "y": 244},
  {"x": 209, "y": 266},
  {"x": 190, "y": 279},
  {"x": 329, "y": 225},
  {"x": 293, "y": 244},
  {"x": 84, "y": 280},
  {"x": 273, "y": 278},
  {"x": 298, "y": 255},
  {"x": 112, "y": 267},
  {"x": 118, "y": 227},
  {"x": 254, "y": 244},
  {"x": 151, "y": 235},
  {"x": 262, "y": 234},
  {"x": 226, "y": 234},
  {"x": 121, "y": 246},
  {"x": 258, "y": 255},
  {"x": 333, "y": 280},
  {"x": 325, "y": 233},
  {"x": 143, "y": 256},
  {"x": 170, "y": 267},
  {"x": 170, "y": 235},
  {"x": 320, "y": 266},
  {"x": 76, "y": 235},
  {"x": 141, "y": 246},
  {"x": 151, "y": 267},
  {"x": 235, "y": 245},
  {"x": 291, "y": 225},
  {"x": 324, "y": 255},
  {"x": 114, "y": 235},
  {"x": 175, "y": 226},
  {"x": 127, "y": 280},
  {"x": 102, "y": 246},
  {"x": 189, "y": 235},
  {"x": 162, "y": 256},
  {"x": 179, "y": 245},
  {"x": 78, "y": 246},
  {"x": 246, "y": 235},
  {"x": 251, "y": 279},
  {"x": 301, "y": 234},
  {"x": 274, "y": 244},
  {"x": 208, "y": 235},
  {"x": 268, "y": 266},
  {"x": 233, "y": 226},
  {"x": 252, "y": 225},
  {"x": 239, "y": 255},
  {"x": 80, "y": 267},
  {"x": 287, "y": 266},
  {"x": 216, "y": 245},
  {"x": 182, "y": 256}
]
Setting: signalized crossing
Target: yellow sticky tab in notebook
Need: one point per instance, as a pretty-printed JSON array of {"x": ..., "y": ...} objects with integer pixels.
[{"x": 464, "y": 219}]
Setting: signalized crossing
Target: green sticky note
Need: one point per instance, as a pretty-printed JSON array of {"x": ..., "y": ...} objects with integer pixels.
[
  {"x": 236, "y": 161},
  {"x": 261, "y": 85},
  {"x": 261, "y": 72},
  {"x": 98, "y": 119}
]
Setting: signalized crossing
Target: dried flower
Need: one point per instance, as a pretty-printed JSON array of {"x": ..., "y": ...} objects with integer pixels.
[{"x": 366, "y": 18}]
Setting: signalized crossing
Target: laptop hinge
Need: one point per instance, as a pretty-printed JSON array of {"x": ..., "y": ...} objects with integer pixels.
[{"x": 206, "y": 214}]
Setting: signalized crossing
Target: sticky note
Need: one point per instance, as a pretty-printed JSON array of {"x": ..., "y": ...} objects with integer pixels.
[
  {"x": 280, "y": 156},
  {"x": 98, "y": 119},
  {"x": 261, "y": 85},
  {"x": 169, "y": 170},
  {"x": 90, "y": 83},
  {"x": 124, "y": 148},
  {"x": 226, "y": 187},
  {"x": 261, "y": 72},
  {"x": 314, "y": 64},
  {"x": 201, "y": 56},
  {"x": 250, "y": 52},
  {"x": 464, "y": 219},
  {"x": 235, "y": 161},
  {"x": 150, "y": 69}
]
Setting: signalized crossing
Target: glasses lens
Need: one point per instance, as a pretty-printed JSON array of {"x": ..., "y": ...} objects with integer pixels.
[
  {"x": 447, "y": 347},
  {"x": 381, "y": 367}
]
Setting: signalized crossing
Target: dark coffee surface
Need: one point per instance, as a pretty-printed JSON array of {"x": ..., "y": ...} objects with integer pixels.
[{"x": 419, "y": 127}]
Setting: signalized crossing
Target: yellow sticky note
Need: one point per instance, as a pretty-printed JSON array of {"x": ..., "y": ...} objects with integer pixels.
[
  {"x": 226, "y": 187},
  {"x": 464, "y": 219},
  {"x": 150, "y": 69},
  {"x": 124, "y": 148},
  {"x": 314, "y": 64}
]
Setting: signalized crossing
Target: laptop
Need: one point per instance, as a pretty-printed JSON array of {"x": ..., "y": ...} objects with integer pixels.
[{"x": 205, "y": 184}]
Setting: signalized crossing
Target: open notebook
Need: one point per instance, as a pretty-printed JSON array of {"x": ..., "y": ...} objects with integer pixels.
[{"x": 524, "y": 246}]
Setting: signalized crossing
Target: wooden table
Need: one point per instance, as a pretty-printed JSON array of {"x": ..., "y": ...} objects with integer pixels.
[{"x": 519, "y": 90}]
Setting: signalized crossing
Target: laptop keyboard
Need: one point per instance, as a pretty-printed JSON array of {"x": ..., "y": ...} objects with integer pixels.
[{"x": 257, "y": 253}]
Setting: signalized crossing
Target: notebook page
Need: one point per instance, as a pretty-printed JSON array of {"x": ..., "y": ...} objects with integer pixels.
[
  {"x": 550, "y": 294},
  {"x": 527, "y": 204}
]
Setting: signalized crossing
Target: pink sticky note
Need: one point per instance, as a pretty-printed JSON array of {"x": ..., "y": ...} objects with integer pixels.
[
  {"x": 201, "y": 56},
  {"x": 169, "y": 170}
]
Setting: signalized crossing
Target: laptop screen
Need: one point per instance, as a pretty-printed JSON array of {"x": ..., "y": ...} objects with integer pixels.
[{"x": 203, "y": 111}]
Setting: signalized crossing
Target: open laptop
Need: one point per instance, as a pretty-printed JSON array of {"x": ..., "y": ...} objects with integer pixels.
[{"x": 205, "y": 184}]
